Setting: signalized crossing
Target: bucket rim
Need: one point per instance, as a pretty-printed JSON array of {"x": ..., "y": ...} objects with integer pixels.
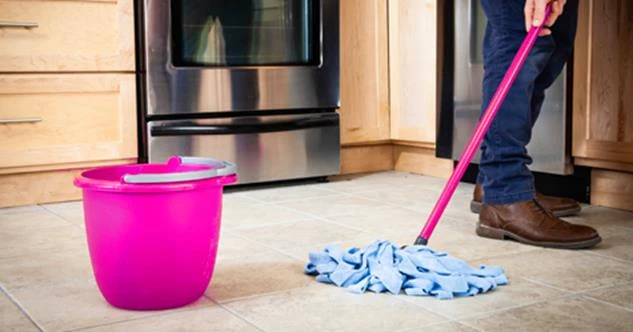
[{"x": 85, "y": 181}]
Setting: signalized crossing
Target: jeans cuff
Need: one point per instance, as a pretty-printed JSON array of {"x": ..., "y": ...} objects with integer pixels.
[{"x": 509, "y": 199}]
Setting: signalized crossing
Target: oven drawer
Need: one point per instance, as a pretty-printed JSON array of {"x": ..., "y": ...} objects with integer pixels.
[
  {"x": 265, "y": 148},
  {"x": 66, "y": 36}
]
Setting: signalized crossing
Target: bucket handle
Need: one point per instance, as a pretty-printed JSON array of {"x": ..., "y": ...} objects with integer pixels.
[{"x": 220, "y": 168}]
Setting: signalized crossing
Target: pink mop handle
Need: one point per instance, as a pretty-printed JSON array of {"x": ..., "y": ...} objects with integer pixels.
[{"x": 480, "y": 130}]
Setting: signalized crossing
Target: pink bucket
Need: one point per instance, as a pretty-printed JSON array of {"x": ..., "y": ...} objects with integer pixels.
[{"x": 153, "y": 229}]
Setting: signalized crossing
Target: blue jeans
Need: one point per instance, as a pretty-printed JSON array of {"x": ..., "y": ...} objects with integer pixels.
[{"x": 503, "y": 169}]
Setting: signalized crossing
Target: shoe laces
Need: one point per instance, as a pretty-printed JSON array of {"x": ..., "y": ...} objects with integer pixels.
[{"x": 539, "y": 208}]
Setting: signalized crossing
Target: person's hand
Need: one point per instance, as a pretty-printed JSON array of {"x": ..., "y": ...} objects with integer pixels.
[{"x": 535, "y": 11}]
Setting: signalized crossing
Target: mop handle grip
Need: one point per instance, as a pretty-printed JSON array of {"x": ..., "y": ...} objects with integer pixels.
[{"x": 481, "y": 129}]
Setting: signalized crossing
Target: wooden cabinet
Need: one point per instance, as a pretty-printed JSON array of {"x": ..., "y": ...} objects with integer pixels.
[
  {"x": 67, "y": 94},
  {"x": 413, "y": 69},
  {"x": 66, "y": 36},
  {"x": 603, "y": 99},
  {"x": 49, "y": 120},
  {"x": 364, "y": 71},
  {"x": 603, "y": 85},
  {"x": 388, "y": 86}
]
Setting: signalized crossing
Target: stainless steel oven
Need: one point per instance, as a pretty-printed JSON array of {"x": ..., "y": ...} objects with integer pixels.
[{"x": 253, "y": 81}]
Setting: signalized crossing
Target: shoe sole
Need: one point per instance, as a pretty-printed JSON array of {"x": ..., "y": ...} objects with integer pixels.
[
  {"x": 475, "y": 207},
  {"x": 500, "y": 234}
]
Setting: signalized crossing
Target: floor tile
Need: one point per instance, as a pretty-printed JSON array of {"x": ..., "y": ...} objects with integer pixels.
[
  {"x": 355, "y": 185},
  {"x": 517, "y": 292},
  {"x": 328, "y": 308},
  {"x": 237, "y": 200},
  {"x": 11, "y": 318},
  {"x": 28, "y": 220},
  {"x": 257, "y": 214},
  {"x": 267, "y": 234},
  {"x": 386, "y": 218},
  {"x": 333, "y": 205},
  {"x": 566, "y": 314},
  {"x": 212, "y": 318},
  {"x": 44, "y": 268},
  {"x": 618, "y": 295},
  {"x": 70, "y": 211},
  {"x": 297, "y": 233},
  {"x": 604, "y": 218},
  {"x": 256, "y": 275},
  {"x": 233, "y": 245},
  {"x": 616, "y": 243},
  {"x": 569, "y": 270},
  {"x": 402, "y": 196},
  {"x": 74, "y": 304},
  {"x": 391, "y": 218},
  {"x": 443, "y": 327},
  {"x": 33, "y": 240},
  {"x": 289, "y": 193}
]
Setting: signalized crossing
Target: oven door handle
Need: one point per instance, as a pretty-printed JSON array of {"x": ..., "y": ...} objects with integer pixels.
[{"x": 191, "y": 128}]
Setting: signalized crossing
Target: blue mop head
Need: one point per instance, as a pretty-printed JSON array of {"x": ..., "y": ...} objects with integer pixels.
[{"x": 418, "y": 270}]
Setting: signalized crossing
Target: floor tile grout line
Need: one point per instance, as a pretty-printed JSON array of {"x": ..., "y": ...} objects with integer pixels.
[
  {"x": 508, "y": 254},
  {"x": 591, "y": 298},
  {"x": 262, "y": 202},
  {"x": 234, "y": 313},
  {"x": 540, "y": 283},
  {"x": 620, "y": 260},
  {"x": 415, "y": 329},
  {"x": 256, "y": 296},
  {"x": 333, "y": 194},
  {"x": 584, "y": 292},
  {"x": 241, "y": 317},
  {"x": 155, "y": 314},
  {"x": 22, "y": 310},
  {"x": 485, "y": 313},
  {"x": 58, "y": 215},
  {"x": 467, "y": 324},
  {"x": 510, "y": 308},
  {"x": 255, "y": 227},
  {"x": 48, "y": 251},
  {"x": 324, "y": 219},
  {"x": 405, "y": 299}
]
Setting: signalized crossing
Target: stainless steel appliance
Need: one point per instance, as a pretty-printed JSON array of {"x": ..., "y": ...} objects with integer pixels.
[
  {"x": 251, "y": 81},
  {"x": 462, "y": 96}
]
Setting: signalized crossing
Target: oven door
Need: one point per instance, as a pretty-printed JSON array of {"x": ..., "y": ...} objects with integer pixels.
[
  {"x": 241, "y": 55},
  {"x": 264, "y": 148}
]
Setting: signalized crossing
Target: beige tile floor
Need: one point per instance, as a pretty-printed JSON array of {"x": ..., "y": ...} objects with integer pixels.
[{"x": 46, "y": 281}]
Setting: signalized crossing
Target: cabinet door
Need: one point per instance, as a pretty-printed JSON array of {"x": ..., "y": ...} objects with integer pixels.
[
  {"x": 66, "y": 36},
  {"x": 603, "y": 85},
  {"x": 364, "y": 71},
  {"x": 48, "y": 121},
  {"x": 413, "y": 54}
]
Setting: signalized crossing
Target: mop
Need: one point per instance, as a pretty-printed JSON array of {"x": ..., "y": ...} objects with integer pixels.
[{"x": 419, "y": 270}]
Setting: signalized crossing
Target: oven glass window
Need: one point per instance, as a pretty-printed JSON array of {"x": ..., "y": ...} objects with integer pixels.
[{"x": 245, "y": 32}]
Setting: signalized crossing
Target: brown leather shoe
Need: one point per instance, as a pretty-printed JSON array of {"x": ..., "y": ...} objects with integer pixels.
[
  {"x": 560, "y": 206},
  {"x": 531, "y": 223}
]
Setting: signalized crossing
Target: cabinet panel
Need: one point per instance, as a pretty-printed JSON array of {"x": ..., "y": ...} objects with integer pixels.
[
  {"x": 364, "y": 71},
  {"x": 73, "y": 35},
  {"x": 62, "y": 119},
  {"x": 413, "y": 62},
  {"x": 603, "y": 84}
]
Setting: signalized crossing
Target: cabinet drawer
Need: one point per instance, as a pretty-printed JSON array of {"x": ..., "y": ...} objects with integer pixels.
[
  {"x": 47, "y": 120},
  {"x": 66, "y": 36}
]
